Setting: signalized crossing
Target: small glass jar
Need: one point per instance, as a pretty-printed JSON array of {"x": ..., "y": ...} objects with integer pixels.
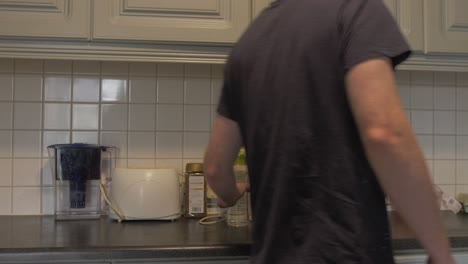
[{"x": 195, "y": 191}]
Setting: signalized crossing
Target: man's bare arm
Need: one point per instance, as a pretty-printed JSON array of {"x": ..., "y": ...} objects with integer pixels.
[
  {"x": 224, "y": 145},
  {"x": 394, "y": 154}
]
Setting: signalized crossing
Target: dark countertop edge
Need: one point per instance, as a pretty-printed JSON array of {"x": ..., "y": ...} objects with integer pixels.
[
  {"x": 240, "y": 251},
  {"x": 232, "y": 251}
]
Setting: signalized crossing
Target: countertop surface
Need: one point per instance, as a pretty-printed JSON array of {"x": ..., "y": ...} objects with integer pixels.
[{"x": 43, "y": 237}]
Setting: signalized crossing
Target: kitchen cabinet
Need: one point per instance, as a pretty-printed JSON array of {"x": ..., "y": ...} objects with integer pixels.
[
  {"x": 410, "y": 17},
  {"x": 259, "y": 5},
  {"x": 206, "y": 21},
  {"x": 446, "y": 26},
  {"x": 45, "y": 19}
]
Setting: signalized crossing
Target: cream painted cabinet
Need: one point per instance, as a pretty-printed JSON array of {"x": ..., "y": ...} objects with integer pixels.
[
  {"x": 259, "y": 5},
  {"x": 45, "y": 18},
  {"x": 446, "y": 26},
  {"x": 206, "y": 21},
  {"x": 410, "y": 17}
]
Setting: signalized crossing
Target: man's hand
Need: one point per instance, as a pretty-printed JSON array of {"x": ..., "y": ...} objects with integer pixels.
[{"x": 242, "y": 188}]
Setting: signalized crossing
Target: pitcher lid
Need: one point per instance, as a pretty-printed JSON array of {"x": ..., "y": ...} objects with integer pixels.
[{"x": 79, "y": 146}]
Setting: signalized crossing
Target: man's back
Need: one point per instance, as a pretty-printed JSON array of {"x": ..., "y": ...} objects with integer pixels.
[{"x": 315, "y": 197}]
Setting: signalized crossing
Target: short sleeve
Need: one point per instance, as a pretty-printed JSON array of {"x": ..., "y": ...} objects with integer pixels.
[
  {"x": 226, "y": 102},
  {"x": 369, "y": 31}
]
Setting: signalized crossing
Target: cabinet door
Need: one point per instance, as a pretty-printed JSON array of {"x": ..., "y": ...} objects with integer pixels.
[
  {"x": 45, "y": 18},
  {"x": 259, "y": 5},
  {"x": 447, "y": 26},
  {"x": 211, "y": 21},
  {"x": 409, "y": 16}
]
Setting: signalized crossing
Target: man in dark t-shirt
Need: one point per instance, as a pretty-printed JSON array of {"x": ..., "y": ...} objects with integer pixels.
[{"x": 309, "y": 92}]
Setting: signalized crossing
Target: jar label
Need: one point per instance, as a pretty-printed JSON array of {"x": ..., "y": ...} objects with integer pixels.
[{"x": 196, "y": 194}]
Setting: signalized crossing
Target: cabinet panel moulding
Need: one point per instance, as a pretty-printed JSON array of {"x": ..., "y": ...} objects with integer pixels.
[
  {"x": 41, "y": 6},
  {"x": 163, "y": 9},
  {"x": 454, "y": 15},
  {"x": 181, "y": 8}
]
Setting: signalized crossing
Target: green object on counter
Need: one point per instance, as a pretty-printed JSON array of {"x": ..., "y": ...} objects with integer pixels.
[{"x": 241, "y": 158}]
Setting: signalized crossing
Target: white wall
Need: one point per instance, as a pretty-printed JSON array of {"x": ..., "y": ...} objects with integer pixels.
[
  {"x": 157, "y": 115},
  {"x": 161, "y": 114}
]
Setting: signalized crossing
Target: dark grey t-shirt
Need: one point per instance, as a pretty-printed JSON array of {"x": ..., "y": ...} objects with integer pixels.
[{"x": 315, "y": 197}]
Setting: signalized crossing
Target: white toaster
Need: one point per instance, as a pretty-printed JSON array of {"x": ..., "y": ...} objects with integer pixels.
[{"x": 145, "y": 194}]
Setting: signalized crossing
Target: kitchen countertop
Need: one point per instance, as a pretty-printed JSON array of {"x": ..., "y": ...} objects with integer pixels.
[{"x": 41, "y": 237}]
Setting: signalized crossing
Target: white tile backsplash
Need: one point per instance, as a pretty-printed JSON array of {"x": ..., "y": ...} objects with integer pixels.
[
  {"x": 5, "y": 201},
  {"x": 217, "y": 71},
  {"x": 462, "y": 147},
  {"x": 422, "y": 97},
  {"x": 116, "y": 139},
  {"x": 29, "y": 66},
  {"x": 114, "y": 116},
  {"x": 461, "y": 170},
  {"x": 141, "y": 145},
  {"x": 86, "y": 88},
  {"x": 426, "y": 142},
  {"x": 27, "y": 172},
  {"x": 26, "y": 200},
  {"x": 116, "y": 68},
  {"x": 197, "y": 70},
  {"x": 114, "y": 89},
  {"x": 216, "y": 87},
  {"x": 404, "y": 91},
  {"x": 142, "y": 117},
  {"x": 444, "y": 171},
  {"x": 169, "y": 118},
  {"x": 141, "y": 163},
  {"x": 197, "y": 118},
  {"x": 5, "y": 172},
  {"x": 46, "y": 172},
  {"x": 87, "y": 67},
  {"x": 197, "y": 91},
  {"x": 58, "y": 66},
  {"x": 445, "y": 97},
  {"x": 462, "y": 79},
  {"x": 6, "y": 115},
  {"x": 170, "y": 69},
  {"x": 169, "y": 145},
  {"x": 170, "y": 90},
  {"x": 47, "y": 200},
  {"x": 6, "y": 144},
  {"x": 444, "y": 122},
  {"x": 28, "y": 87},
  {"x": 444, "y": 147},
  {"x": 54, "y": 137},
  {"x": 56, "y": 116},
  {"x": 142, "y": 69},
  {"x": 7, "y": 65},
  {"x": 142, "y": 90},
  {"x": 445, "y": 78},
  {"x": 85, "y": 116},
  {"x": 6, "y": 87},
  {"x": 27, "y": 116},
  {"x": 422, "y": 77},
  {"x": 462, "y": 98},
  {"x": 462, "y": 123},
  {"x": 27, "y": 144},
  {"x": 88, "y": 137},
  {"x": 195, "y": 144},
  {"x": 160, "y": 114},
  {"x": 422, "y": 121}
]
